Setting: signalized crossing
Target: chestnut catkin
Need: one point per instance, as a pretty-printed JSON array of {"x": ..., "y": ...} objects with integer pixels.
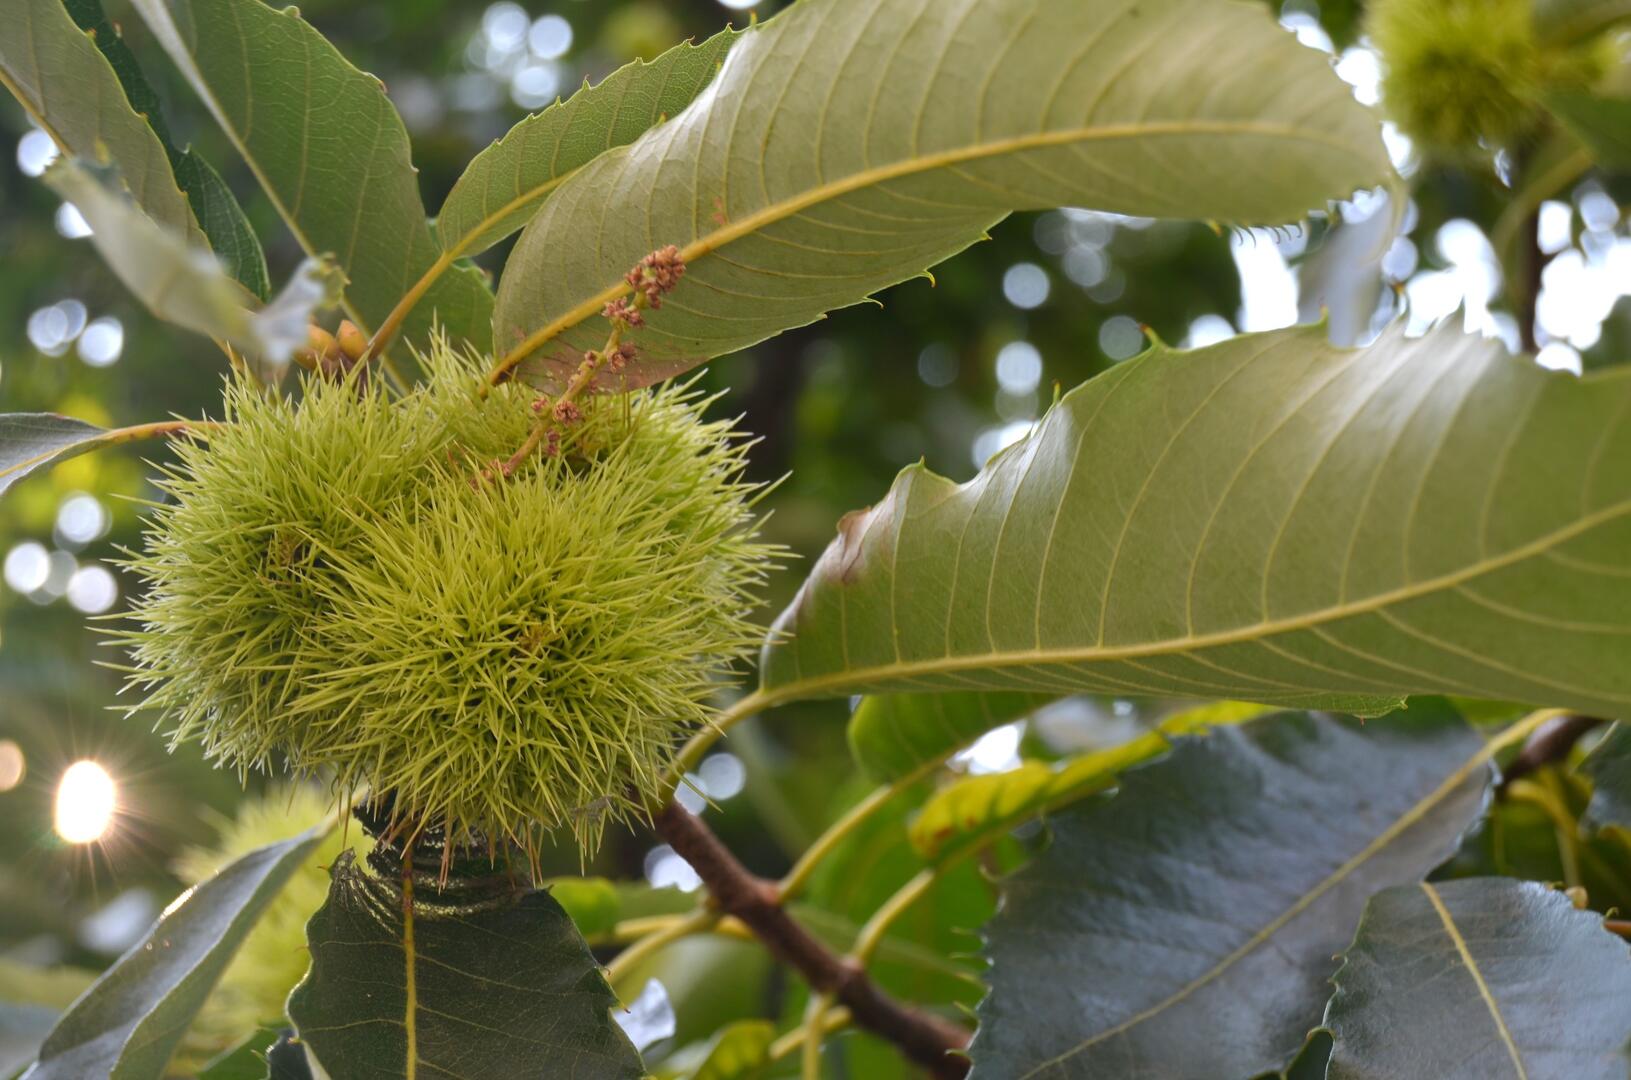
[{"x": 330, "y": 587}]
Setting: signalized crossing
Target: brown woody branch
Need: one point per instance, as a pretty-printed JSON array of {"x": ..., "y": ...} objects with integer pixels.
[
  {"x": 1550, "y": 742},
  {"x": 924, "y": 1038}
]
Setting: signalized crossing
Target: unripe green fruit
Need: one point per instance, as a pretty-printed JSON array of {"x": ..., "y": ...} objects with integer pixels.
[
  {"x": 335, "y": 584},
  {"x": 1459, "y": 74}
]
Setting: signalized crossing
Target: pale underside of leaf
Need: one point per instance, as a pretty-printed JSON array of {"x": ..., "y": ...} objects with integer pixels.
[
  {"x": 184, "y": 284},
  {"x": 329, "y": 149},
  {"x": 1481, "y": 979},
  {"x": 29, "y": 441},
  {"x": 1269, "y": 519},
  {"x": 847, "y": 145},
  {"x": 1136, "y": 948},
  {"x": 69, "y": 90},
  {"x": 505, "y": 183}
]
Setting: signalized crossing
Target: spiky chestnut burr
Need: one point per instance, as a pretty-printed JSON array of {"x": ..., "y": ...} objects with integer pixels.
[
  {"x": 1461, "y": 76},
  {"x": 327, "y": 587}
]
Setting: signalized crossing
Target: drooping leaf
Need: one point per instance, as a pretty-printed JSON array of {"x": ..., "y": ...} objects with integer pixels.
[
  {"x": 1186, "y": 927},
  {"x": 55, "y": 71},
  {"x": 1478, "y": 980},
  {"x": 31, "y": 440},
  {"x": 1609, "y": 767},
  {"x": 129, "y": 1022},
  {"x": 329, "y": 149},
  {"x": 505, "y": 184},
  {"x": 482, "y": 980},
  {"x": 893, "y": 734},
  {"x": 1270, "y": 519},
  {"x": 845, "y": 146},
  {"x": 185, "y": 284},
  {"x": 1569, "y": 21},
  {"x": 1602, "y": 123},
  {"x": 969, "y": 811},
  {"x": 215, "y": 208},
  {"x": 738, "y": 1052}
]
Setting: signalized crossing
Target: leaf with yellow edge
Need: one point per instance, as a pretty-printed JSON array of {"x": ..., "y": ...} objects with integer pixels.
[{"x": 967, "y": 812}]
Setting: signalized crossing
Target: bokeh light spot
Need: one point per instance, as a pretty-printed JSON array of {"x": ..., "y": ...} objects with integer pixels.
[
  {"x": 35, "y": 151},
  {"x": 1026, "y": 285},
  {"x": 13, "y": 765},
  {"x": 86, "y": 801},
  {"x": 1019, "y": 367},
  {"x": 28, "y": 565},
  {"x": 550, "y": 37},
  {"x": 92, "y": 589},
  {"x": 102, "y": 341}
]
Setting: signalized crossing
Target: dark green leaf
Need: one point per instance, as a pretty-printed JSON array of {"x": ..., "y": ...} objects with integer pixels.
[
  {"x": 482, "y": 981},
  {"x": 1609, "y": 767},
  {"x": 128, "y": 1023},
  {"x": 329, "y": 149},
  {"x": 893, "y": 734},
  {"x": 1271, "y": 519},
  {"x": 1186, "y": 927},
  {"x": 230, "y": 235},
  {"x": 505, "y": 184},
  {"x": 1602, "y": 123},
  {"x": 29, "y": 441},
  {"x": 1479, "y": 980}
]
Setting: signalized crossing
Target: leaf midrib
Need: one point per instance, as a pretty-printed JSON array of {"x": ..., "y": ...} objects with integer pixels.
[
  {"x": 785, "y": 208},
  {"x": 1405, "y": 821},
  {"x": 1242, "y": 635},
  {"x": 1460, "y": 943},
  {"x": 239, "y": 141}
]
